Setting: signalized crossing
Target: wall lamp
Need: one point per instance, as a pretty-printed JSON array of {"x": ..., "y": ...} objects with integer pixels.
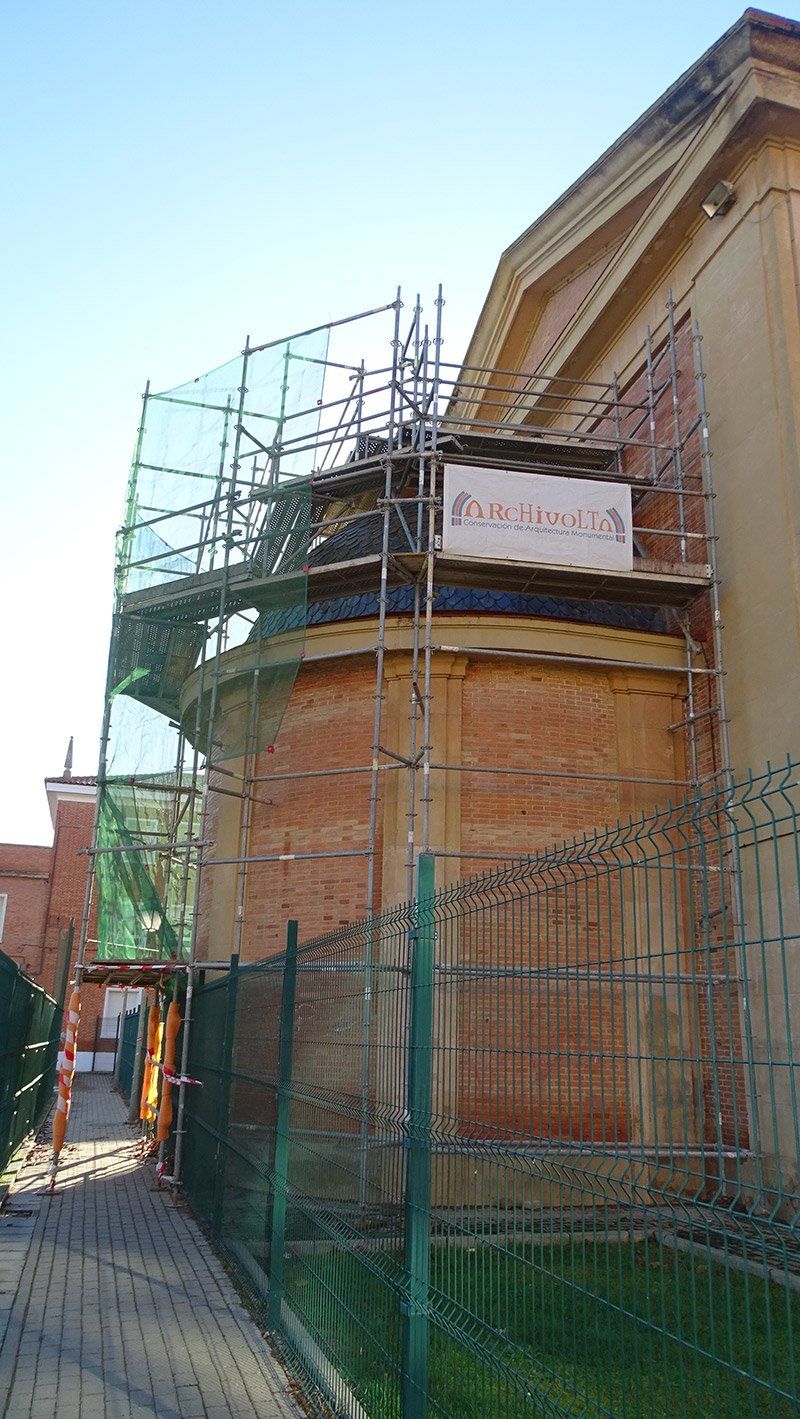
[{"x": 718, "y": 201}]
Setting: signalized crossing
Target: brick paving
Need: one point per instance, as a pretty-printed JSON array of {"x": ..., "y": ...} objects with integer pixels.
[{"x": 112, "y": 1304}]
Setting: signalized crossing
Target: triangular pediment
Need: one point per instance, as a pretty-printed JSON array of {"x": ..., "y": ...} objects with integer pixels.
[{"x": 609, "y": 235}]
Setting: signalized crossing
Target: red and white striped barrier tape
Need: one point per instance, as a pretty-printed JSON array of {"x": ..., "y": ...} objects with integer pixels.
[
  {"x": 146, "y": 969},
  {"x": 170, "y": 1075}
]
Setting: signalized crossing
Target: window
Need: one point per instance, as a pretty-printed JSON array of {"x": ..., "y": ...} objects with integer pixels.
[
  {"x": 3, "y": 905},
  {"x": 116, "y": 997}
]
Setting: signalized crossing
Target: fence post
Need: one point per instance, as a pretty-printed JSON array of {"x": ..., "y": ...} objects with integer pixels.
[
  {"x": 281, "y": 1169},
  {"x": 418, "y": 1150},
  {"x": 120, "y": 1034},
  {"x": 224, "y": 1100}
]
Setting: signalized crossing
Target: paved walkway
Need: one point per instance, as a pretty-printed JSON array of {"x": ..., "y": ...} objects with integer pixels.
[{"x": 112, "y": 1304}]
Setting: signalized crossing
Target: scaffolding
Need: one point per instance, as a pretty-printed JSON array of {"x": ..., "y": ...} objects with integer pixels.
[{"x": 300, "y": 471}]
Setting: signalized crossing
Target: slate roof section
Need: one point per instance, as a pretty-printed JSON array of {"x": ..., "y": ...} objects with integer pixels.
[
  {"x": 400, "y": 601},
  {"x": 363, "y": 539}
]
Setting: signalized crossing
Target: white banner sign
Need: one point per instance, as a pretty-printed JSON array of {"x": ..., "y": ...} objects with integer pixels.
[{"x": 533, "y": 517}]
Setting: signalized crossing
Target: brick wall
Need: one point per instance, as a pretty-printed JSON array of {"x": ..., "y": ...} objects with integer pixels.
[
  {"x": 545, "y": 718},
  {"x": 25, "y": 880},
  {"x": 540, "y": 1058},
  {"x": 73, "y": 831},
  {"x": 559, "y": 1053},
  {"x": 549, "y": 718},
  {"x": 45, "y": 888},
  {"x": 328, "y": 723},
  {"x": 73, "y": 835}
]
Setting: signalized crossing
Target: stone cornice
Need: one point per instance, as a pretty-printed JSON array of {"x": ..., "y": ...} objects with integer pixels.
[{"x": 338, "y": 641}]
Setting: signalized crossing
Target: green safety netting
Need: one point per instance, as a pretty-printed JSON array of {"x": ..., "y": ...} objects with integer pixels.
[
  {"x": 138, "y": 892},
  {"x": 211, "y": 592},
  {"x": 264, "y": 646},
  {"x": 259, "y": 411}
]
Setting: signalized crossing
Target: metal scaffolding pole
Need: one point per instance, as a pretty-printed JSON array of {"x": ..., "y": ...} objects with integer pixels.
[
  {"x": 220, "y": 638},
  {"x": 374, "y": 789},
  {"x": 384, "y": 582},
  {"x": 420, "y": 355},
  {"x": 430, "y": 565},
  {"x": 716, "y": 615}
]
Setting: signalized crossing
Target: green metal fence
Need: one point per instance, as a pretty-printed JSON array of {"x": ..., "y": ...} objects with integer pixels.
[
  {"x": 531, "y": 1144},
  {"x": 128, "y": 1033},
  {"x": 30, "y": 1021}
]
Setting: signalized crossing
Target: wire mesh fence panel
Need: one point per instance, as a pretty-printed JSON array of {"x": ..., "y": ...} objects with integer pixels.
[
  {"x": 202, "y": 1158},
  {"x": 533, "y": 1140},
  {"x": 128, "y": 1034},
  {"x": 230, "y": 1140},
  {"x": 29, "y": 1025},
  {"x": 345, "y": 1227}
]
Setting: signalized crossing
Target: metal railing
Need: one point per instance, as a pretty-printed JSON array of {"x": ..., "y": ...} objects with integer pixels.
[
  {"x": 30, "y": 1021},
  {"x": 559, "y": 1171}
]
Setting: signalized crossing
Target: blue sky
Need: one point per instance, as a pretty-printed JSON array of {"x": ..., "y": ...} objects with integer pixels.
[{"x": 178, "y": 174}]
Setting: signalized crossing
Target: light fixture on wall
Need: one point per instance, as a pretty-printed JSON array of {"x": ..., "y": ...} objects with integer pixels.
[
  {"x": 151, "y": 920},
  {"x": 718, "y": 201}
]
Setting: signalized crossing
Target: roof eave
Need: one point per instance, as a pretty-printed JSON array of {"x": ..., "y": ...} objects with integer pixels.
[{"x": 61, "y": 790}]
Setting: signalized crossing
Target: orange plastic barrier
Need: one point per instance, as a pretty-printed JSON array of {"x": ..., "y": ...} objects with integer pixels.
[
  {"x": 148, "y": 1073},
  {"x": 171, "y": 1034},
  {"x": 65, "y": 1074}
]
